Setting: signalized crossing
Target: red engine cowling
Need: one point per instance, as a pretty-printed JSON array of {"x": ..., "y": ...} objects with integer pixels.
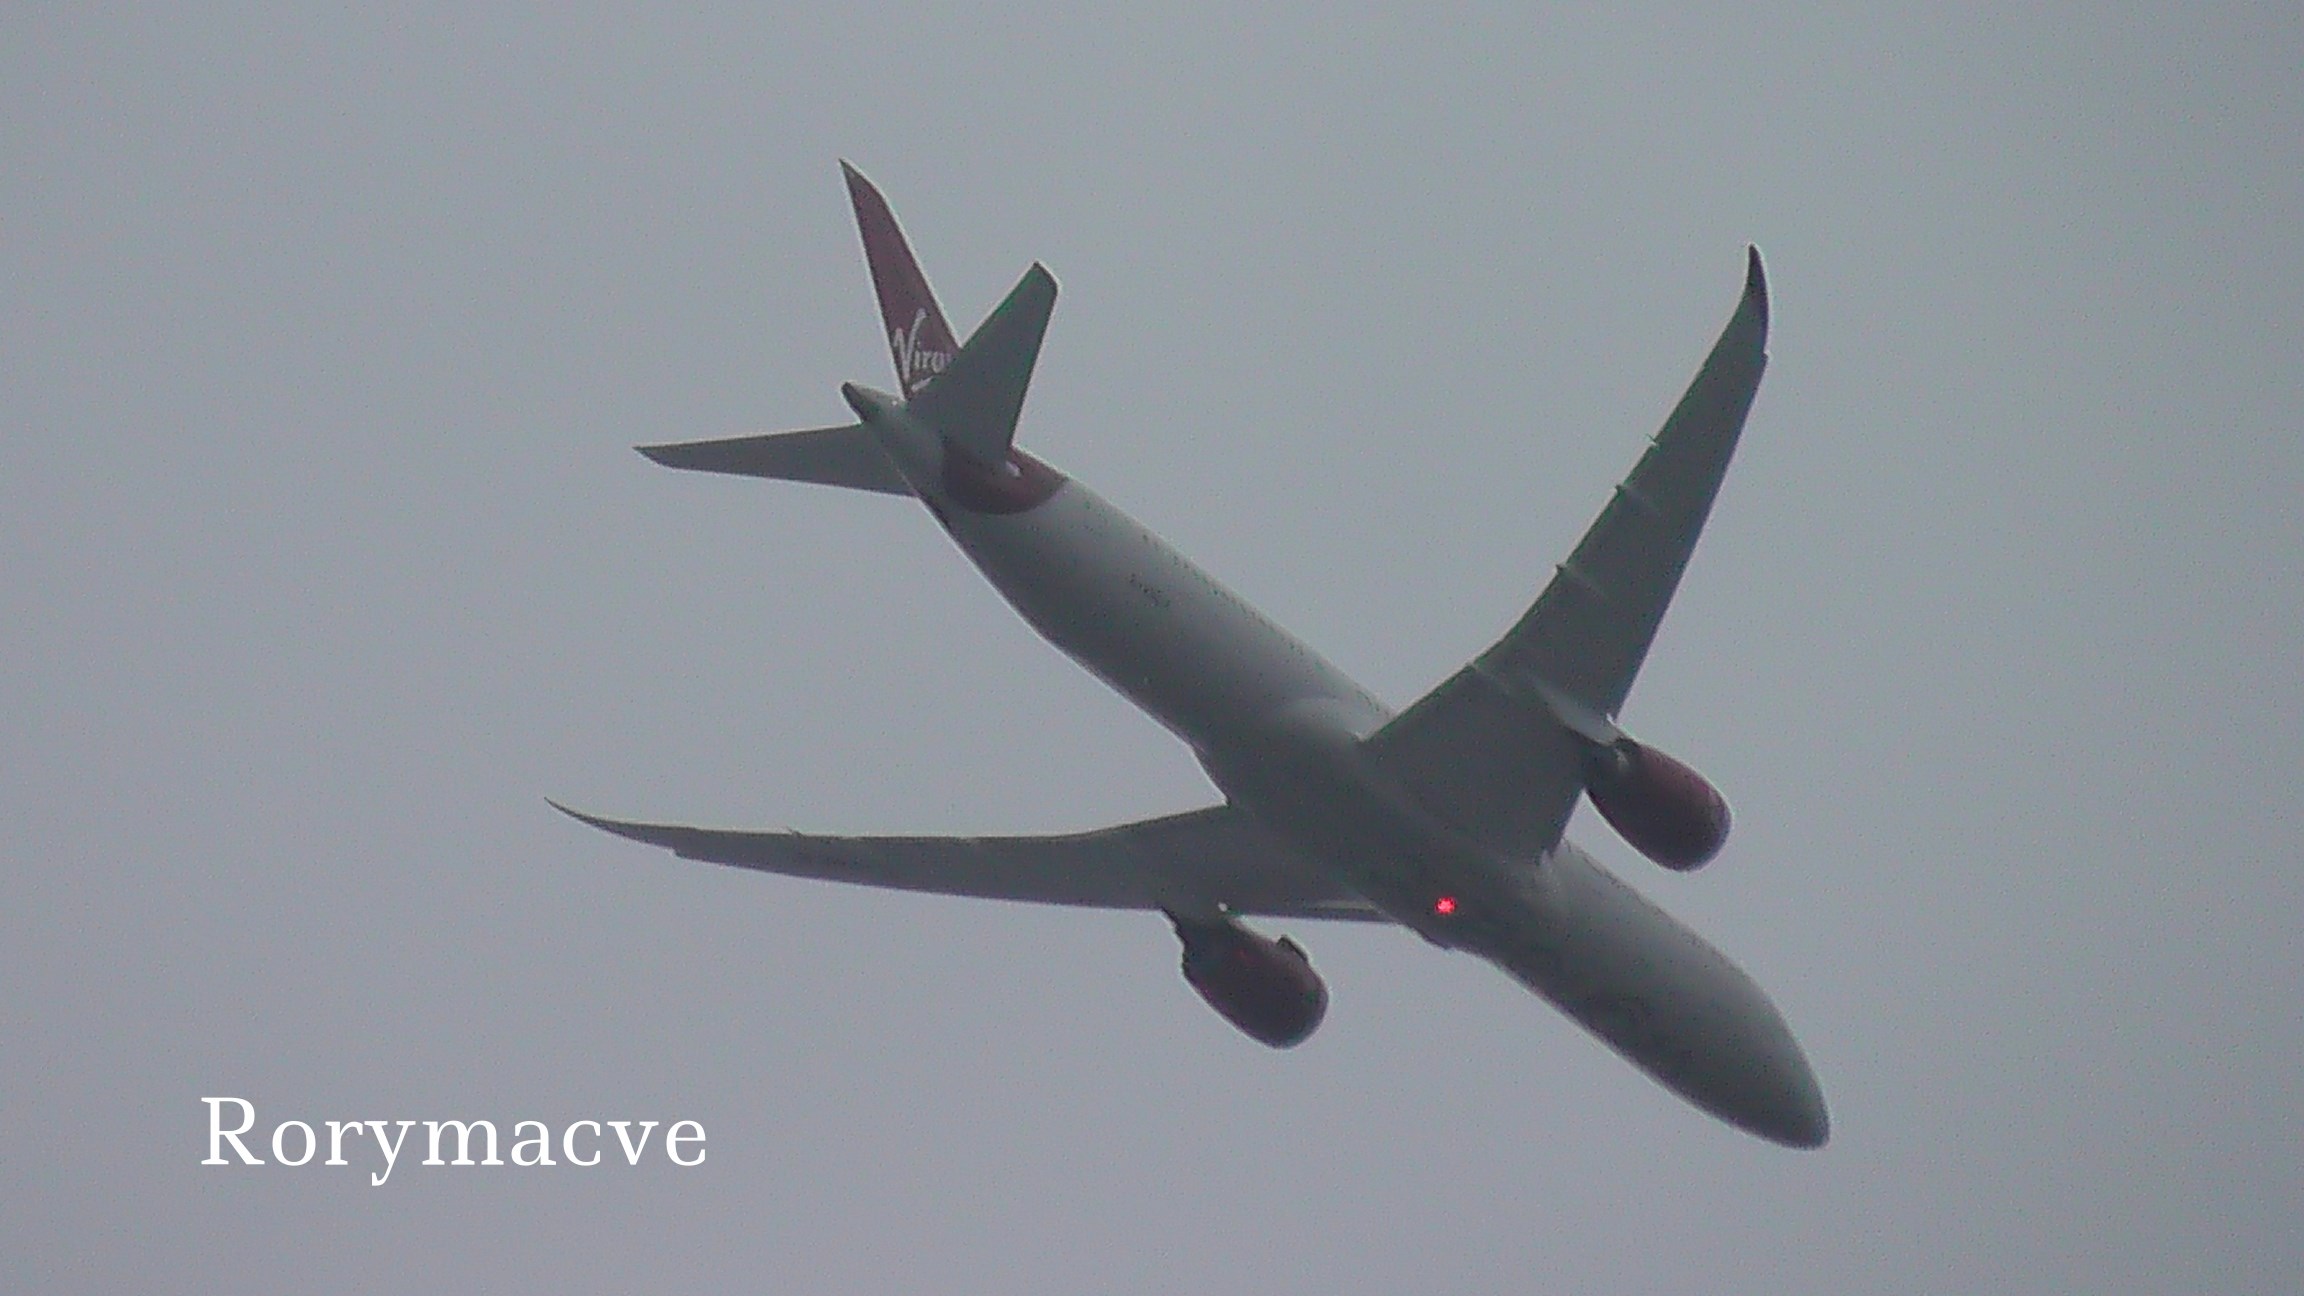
[
  {"x": 1665, "y": 809},
  {"x": 1265, "y": 987}
]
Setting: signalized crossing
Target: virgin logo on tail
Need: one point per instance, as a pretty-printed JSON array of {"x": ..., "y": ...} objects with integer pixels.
[{"x": 916, "y": 364}]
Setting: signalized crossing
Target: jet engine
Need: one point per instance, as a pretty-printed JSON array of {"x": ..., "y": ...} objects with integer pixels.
[
  {"x": 1265, "y": 987},
  {"x": 1663, "y": 808}
]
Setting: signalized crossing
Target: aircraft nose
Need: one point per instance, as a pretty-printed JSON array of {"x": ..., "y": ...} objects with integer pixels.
[
  {"x": 1786, "y": 1105},
  {"x": 1798, "y": 1119}
]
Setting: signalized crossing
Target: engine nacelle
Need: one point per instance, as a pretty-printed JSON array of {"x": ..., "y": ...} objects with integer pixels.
[
  {"x": 1265, "y": 987},
  {"x": 1663, "y": 808}
]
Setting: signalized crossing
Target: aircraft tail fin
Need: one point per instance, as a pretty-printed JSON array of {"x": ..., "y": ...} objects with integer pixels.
[
  {"x": 848, "y": 456},
  {"x": 975, "y": 403},
  {"x": 971, "y": 394},
  {"x": 918, "y": 338}
]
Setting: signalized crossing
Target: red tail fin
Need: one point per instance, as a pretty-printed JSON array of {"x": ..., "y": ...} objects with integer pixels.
[{"x": 918, "y": 338}]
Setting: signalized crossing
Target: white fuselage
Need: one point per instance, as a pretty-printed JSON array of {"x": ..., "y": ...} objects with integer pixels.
[{"x": 1279, "y": 730}]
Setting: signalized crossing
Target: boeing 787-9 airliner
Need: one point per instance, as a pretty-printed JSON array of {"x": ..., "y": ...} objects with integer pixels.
[{"x": 1445, "y": 818}]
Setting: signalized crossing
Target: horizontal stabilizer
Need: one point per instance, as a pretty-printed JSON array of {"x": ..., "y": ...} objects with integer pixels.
[
  {"x": 835, "y": 456},
  {"x": 976, "y": 401}
]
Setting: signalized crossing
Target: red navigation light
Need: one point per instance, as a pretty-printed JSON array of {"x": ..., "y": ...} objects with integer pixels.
[{"x": 1444, "y": 906}]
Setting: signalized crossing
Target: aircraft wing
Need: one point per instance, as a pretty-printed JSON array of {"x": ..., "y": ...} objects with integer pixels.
[
  {"x": 1497, "y": 750},
  {"x": 1189, "y": 861}
]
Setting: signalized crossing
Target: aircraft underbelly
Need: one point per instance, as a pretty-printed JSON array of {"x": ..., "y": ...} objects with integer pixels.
[
  {"x": 1659, "y": 994},
  {"x": 1565, "y": 927},
  {"x": 1137, "y": 615},
  {"x": 1278, "y": 729}
]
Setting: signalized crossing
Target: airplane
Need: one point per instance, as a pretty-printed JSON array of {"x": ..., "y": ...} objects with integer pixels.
[{"x": 1446, "y": 818}]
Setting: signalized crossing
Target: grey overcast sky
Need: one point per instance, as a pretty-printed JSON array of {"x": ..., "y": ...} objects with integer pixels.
[{"x": 322, "y": 342}]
